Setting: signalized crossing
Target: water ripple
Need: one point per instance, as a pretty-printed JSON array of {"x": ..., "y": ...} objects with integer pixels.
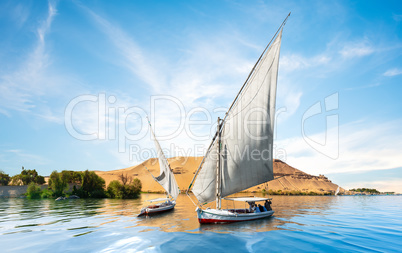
[{"x": 300, "y": 223}]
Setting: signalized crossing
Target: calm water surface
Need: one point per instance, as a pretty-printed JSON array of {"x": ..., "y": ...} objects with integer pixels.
[{"x": 300, "y": 223}]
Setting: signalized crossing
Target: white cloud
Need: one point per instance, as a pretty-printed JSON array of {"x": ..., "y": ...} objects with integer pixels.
[
  {"x": 290, "y": 98},
  {"x": 365, "y": 86},
  {"x": 198, "y": 84},
  {"x": 293, "y": 62},
  {"x": 393, "y": 72},
  {"x": 194, "y": 83},
  {"x": 23, "y": 158},
  {"x": 102, "y": 115},
  {"x": 18, "y": 90},
  {"x": 362, "y": 147},
  {"x": 135, "y": 60},
  {"x": 189, "y": 78},
  {"x": 357, "y": 49}
]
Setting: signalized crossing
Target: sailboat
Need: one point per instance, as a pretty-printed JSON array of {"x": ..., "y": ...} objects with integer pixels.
[
  {"x": 337, "y": 191},
  {"x": 167, "y": 180},
  {"x": 240, "y": 153}
]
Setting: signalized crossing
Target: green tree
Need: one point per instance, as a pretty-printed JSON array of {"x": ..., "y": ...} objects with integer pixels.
[
  {"x": 57, "y": 184},
  {"x": 93, "y": 186},
  {"x": 368, "y": 190},
  {"x": 115, "y": 190},
  {"x": 77, "y": 177},
  {"x": 118, "y": 190},
  {"x": 133, "y": 190},
  {"x": 33, "y": 191},
  {"x": 40, "y": 180},
  {"x": 46, "y": 193},
  {"x": 72, "y": 177},
  {"x": 137, "y": 185},
  {"x": 4, "y": 178},
  {"x": 67, "y": 175},
  {"x": 26, "y": 177}
]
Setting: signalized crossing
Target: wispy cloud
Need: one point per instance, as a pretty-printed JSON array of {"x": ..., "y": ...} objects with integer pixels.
[
  {"x": 365, "y": 86},
  {"x": 361, "y": 148},
  {"x": 393, "y": 72},
  {"x": 357, "y": 49},
  {"x": 44, "y": 28},
  {"x": 20, "y": 14},
  {"x": 22, "y": 157},
  {"x": 134, "y": 58},
  {"x": 189, "y": 77},
  {"x": 19, "y": 89},
  {"x": 397, "y": 17},
  {"x": 189, "y": 80},
  {"x": 296, "y": 62}
]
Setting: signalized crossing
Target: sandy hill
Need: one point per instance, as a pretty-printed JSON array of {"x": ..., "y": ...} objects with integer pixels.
[{"x": 287, "y": 178}]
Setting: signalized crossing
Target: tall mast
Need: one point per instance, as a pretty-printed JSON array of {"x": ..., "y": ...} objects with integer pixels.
[
  {"x": 255, "y": 65},
  {"x": 218, "y": 168},
  {"x": 202, "y": 182}
]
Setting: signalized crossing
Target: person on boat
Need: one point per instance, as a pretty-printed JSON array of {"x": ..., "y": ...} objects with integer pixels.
[
  {"x": 252, "y": 206},
  {"x": 267, "y": 205},
  {"x": 260, "y": 207}
]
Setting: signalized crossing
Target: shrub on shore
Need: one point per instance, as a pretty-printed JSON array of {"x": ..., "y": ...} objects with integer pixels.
[
  {"x": 93, "y": 186},
  {"x": 118, "y": 190},
  {"x": 33, "y": 191},
  {"x": 366, "y": 190},
  {"x": 46, "y": 194},
  {"x": 57, "y": 184},
  {"x": 26, "y": 177},
  {"x": 4, "y": 178}
]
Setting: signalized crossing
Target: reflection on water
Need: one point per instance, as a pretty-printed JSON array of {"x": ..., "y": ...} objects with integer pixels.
[
  {"x": 183, "y": 218},
  {"x": 114, "y": 225},
  {"x": 16, "y": 215},
  {"x": 22, "y": 213}
]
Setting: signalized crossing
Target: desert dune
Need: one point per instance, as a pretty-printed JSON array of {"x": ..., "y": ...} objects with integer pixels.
[{"x": 287, "y": 178}]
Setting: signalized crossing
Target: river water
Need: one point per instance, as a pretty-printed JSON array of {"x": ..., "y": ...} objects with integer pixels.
[{"x": 300, "y": 223}]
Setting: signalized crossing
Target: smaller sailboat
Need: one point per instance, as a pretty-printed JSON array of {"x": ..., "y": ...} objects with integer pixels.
[
  {"x": 167, "y": 180},
  {"x": 337, "y": 191},
  {"x": 162, "y": 205}
]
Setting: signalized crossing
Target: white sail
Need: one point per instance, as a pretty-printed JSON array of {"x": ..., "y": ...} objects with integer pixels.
[
  {"x": 205, "y": 186},
  {"x": 166, "y": 177},
  {"x": 246, "y": 135}
]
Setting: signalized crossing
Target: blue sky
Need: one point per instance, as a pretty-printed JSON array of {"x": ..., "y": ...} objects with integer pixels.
[{"x": 76, "y": 78}]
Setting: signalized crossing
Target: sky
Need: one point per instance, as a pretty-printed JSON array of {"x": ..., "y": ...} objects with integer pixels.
[{"x": 78, "y": 78}]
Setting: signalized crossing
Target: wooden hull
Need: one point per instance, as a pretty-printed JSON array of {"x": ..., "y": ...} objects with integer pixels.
[
  {"x": 155, "y": 209},
  {"x": 229, "y": 216}
]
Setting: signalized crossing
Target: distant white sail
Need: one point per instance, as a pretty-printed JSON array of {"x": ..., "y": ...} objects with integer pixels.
[
  {"x": 337, "y": 191},
  {"x": 166, "y": 177},
  {"x": 246, "y": 135}
]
